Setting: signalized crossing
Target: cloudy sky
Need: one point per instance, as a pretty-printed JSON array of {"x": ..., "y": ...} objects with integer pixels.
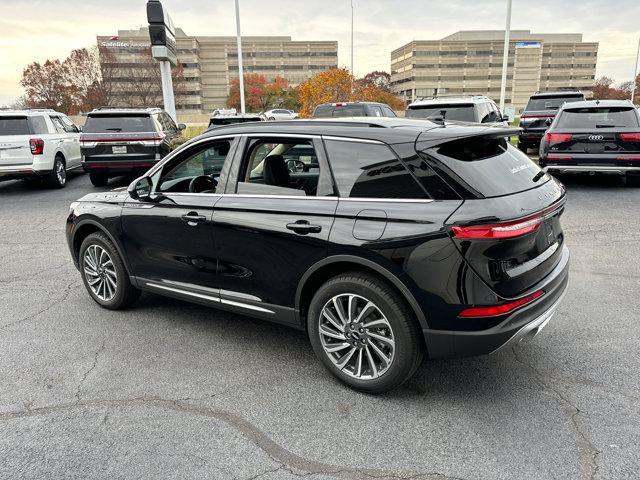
[{"x": 34, "y": 30}]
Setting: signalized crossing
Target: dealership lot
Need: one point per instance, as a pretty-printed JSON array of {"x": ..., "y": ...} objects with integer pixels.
[{"x": 173, "y": 390}]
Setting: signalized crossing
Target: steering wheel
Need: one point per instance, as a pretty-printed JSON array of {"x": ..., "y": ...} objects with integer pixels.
[
  {"x": 202, "y": 184},
  {"x": 296, "y": 166}
]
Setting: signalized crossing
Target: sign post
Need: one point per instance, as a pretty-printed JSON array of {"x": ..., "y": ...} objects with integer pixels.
[{"x": 163, "y": 49}]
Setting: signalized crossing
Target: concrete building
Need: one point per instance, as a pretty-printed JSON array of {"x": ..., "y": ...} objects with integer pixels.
[
  {"x": 209, "y": 64},
  {"x": 470, "y": 63}
]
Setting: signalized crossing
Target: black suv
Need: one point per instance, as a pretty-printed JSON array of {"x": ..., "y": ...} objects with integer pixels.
[
  {"x": 472, "y": 109},
  {"x": 119, "y": 141},
  {"x": 540, "y": 112},
  {"x": 385, "y": 239},
  {"x": 596, "y": 136},
  {"x": 353, "y": 109}
]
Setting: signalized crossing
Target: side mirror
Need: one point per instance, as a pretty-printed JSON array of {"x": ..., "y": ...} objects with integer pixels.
[
  {"x": 140, "y": 188},
  {"x": 79, "y": 129},
  {"x": 181, "y": 126},
  {"x": 548, "y": 121}
]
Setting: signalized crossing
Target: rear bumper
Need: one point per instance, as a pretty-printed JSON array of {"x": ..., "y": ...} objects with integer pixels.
[
  {"x": 113, "y": 167},
  {"x": 22, "y": 172},
  {"x": 605, "y": 169},
  {"x": 522, "y": 324}
]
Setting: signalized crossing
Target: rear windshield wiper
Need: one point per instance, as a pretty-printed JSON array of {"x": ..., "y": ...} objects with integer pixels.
[
  {"x": 540, "y": 174},
  {"x": 609, "y": 126},
  {"x": 114, "y": 129}
]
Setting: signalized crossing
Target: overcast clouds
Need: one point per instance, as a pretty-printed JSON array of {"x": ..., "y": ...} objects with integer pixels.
[{"x": 39, "y": 29}]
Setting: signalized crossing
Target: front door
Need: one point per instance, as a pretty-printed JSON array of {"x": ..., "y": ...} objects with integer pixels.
[
  {"x": 273, "y": 223},
  {"x": 168, "y": 240}
]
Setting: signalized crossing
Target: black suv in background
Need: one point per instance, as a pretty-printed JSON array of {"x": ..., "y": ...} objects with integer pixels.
[
  {"x": 540, "y": 112},
  {"x": 119, "y": 141},
  {"x": 473, "y": 109},
  {"x": 353, "y": 109},
  {"x": 596, "y": 136},
  {"x": 384, "y": 239}
]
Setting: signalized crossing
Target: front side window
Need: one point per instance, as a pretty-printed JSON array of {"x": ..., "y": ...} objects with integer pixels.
[
  {"x": 280, "y": 167},
  {"x": 365, "y": 170},
  {"x": 68, "y": 125},
  {"x": 197, "y": 171}
]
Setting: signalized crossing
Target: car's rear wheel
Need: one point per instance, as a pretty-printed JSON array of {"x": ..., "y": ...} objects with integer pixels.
[
  {"x": 633, "y": 180},
  {"x": 364, "y": 333},
  {"x": 104, "y": 274},
  {"x": 58, "y": 177},
  {"x": 98, "y": 179}
]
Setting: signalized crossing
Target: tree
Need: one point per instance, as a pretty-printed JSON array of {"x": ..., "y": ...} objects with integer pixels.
[
  {"x": 83, "y": 70},
  {"x": 261, "y": 95},
  {"x": 604, "y": 89},
  {"x": 378, "y": 79}
]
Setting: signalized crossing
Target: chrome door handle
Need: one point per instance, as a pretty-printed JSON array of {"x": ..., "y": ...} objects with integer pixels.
[{"x": 193, "y": 218}]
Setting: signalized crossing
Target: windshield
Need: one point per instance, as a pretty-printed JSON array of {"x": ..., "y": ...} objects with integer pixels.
[
  {"x": 14, "y": 126},
  {"x": 326, "y": 111},
  {"x": 459, "y": 112},
  {"x": 598, "y": 117},
  {"x": 488, "y": 165},
  {"x": 118, "y": 123},
  {"x": 551, "y": 102}
]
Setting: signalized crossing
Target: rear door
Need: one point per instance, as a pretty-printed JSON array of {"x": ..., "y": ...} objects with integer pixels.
[
  {"x": 15, "y": 133},
  {"x": 272, "y": 224},
  {"x": 69, "y": 139}
]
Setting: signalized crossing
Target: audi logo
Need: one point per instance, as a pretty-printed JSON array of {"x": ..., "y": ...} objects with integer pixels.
[{"x": 596, "y": 138}]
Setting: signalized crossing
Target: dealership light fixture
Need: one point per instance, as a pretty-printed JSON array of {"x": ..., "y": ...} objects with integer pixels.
[
  {"x": 240, "y": 69},
  {"x": 505, "y": 58},
  {"x": 635, "y": 74}
]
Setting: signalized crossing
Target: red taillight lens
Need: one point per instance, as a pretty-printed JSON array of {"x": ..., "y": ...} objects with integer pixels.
[
  {"x": 501, "y": 309},
  {"x": 558, "y": 137},
  {"x": 630, "y": 137},
  {"x": 499, "y": 230},
  {"x": 37, "y": 146}
]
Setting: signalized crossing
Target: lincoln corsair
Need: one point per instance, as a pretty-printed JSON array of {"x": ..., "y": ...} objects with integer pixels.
[{"x": 385, "y": 239}]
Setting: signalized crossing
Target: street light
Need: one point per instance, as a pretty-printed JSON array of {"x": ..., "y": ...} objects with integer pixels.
[
  {"x": 635, "y": 73},
  {"x": 240, "y": 70},
  {"x": 505, "y": 58},
  {"x": 352, "y": 73}
]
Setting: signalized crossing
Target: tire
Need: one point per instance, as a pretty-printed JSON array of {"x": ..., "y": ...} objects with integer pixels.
[
  {"x": 272, "y": 118},
  {"x": 633, "y": 180},
  {"x": 98, "y": 179},
  {"x": 57, "y": 178},
  {"x": 395, "y": 322},
  {"x": 523, "y": 146},
  {"x": 101, "y": 271}
]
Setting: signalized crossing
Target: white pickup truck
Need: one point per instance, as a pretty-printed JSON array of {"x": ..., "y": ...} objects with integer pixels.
[{"x": 38, "y": 145}]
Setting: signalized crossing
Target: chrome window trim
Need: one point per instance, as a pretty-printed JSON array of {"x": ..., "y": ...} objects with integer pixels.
[
  {"x": 352, "y": 139},
  {"x": 301, "y": 197}
]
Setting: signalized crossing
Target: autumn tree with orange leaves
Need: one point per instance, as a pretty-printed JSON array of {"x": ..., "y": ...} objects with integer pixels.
[
  {"x": 261, "y": 95},
  {"x": 338, "y": 85}
]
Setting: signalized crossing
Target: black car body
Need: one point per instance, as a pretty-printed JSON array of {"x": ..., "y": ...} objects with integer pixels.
[
  {"x": 119, "y": 141},
  {"x": 540, "y": 112},
  {"x": 596, "y": 136},
  {"x": 353, "y": 109},
  {"x": 471, "y": 109},
  {"x": 456, "y": 225}
]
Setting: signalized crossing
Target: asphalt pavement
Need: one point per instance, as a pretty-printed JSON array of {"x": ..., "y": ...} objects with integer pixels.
[{"x": 177, "y": 391}]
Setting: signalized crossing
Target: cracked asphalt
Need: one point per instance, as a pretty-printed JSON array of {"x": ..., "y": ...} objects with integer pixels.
[{"x": 177, "y": 391}]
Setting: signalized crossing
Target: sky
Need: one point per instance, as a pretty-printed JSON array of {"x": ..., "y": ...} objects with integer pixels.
[{"x": 34, "y": 30}]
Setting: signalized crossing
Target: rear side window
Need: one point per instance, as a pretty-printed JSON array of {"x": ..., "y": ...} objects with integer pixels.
[
  {"x": 365, "y": 170},
  {"x": 551, "y": 102},
  {"x": 118, "y": 123},
  {"x": 38, "y": 125},
  {"x": 14, "y": 126},
  {"x": 458, "y": 112},
  {"x": 488, "y": 165},
  {"x": 598, "y": 117}
]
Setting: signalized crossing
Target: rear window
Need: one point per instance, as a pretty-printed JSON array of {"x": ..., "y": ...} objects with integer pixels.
[
  {"x": 551, "y": 102},
  {"x": 601, "y": 117},
  {"x": 327, "y": 111},
  {"x": 458, "y": 112},
  {"x": 488, "y": 165},
  {"x": 14, "y": 126},
  {"x": 118, "y": 123}
]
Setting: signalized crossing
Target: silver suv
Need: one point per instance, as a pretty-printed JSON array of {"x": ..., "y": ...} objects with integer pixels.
[{"x": 37, "y": 145}]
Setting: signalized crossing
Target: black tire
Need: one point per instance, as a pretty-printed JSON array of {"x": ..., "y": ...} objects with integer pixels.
[
  {"x": 523, "y": 146},
  {"x": 98, "y": 179},
  {"x": 58, "y": 177},
  {"x": 633, "y": 180},
  {"x": 125, "y": 293},
  {"x": 409, "y": 349}
]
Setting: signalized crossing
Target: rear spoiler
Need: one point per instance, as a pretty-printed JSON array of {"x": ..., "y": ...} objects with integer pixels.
[{"x": 438, "y": 136}]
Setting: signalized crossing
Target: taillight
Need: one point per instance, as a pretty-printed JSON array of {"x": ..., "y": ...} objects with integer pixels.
[
  {"x": 557, "y": 137},
  {"x": 37, "y": 146},
  {"x": 501, "y": 309},
  {"x": 499, "y": 230},
  {"x": 630, "y": 137}
]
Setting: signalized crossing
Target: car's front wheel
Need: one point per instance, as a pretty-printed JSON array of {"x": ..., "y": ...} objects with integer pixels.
[
  {"x": 104, "y": 274},
  {"x": 364, "y": 333}
]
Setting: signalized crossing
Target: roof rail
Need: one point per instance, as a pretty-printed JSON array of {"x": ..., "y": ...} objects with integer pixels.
[
  {"x": 452, "y": 95},
  {"x": 114, "y": 107},
  {"x": 12, "y": 109}
]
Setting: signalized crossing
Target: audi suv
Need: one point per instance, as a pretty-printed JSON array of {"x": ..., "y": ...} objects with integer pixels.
[{"x": 385, "y": 239}]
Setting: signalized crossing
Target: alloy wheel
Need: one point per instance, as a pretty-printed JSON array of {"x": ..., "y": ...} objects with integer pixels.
[
  {"x": 356, "y": 336},
  {"x": 61, "y": 174},
  {"x": 100, "y": 272}
]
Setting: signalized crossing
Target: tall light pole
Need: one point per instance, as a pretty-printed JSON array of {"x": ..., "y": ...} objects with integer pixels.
[
  {"x": 505, "y": 58},
  {"x": 352, "y": 72},
  {"x": 240, "y": 70},
  {"x": 635, "y": 74}
]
